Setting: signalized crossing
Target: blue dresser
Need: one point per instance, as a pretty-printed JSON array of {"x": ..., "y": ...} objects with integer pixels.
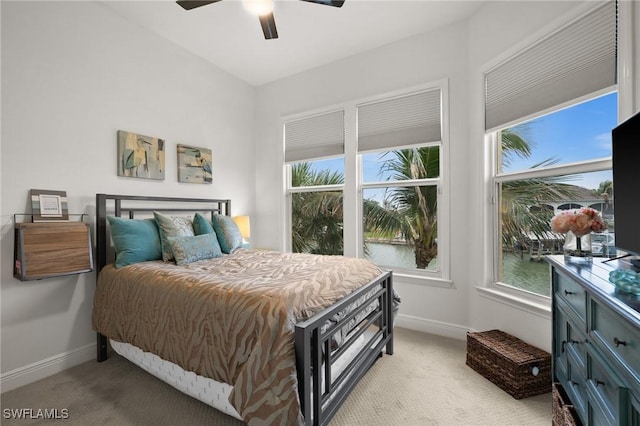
[{"x": 596, "y": 343}]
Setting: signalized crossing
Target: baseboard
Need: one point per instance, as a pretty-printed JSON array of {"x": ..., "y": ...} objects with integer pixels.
[
  {"x": 47, "y": 367},
  {"x": 439, "y": 328}
]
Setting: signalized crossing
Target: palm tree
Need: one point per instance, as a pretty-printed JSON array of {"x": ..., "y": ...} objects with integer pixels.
[
  {"x": 409, "y": 210},
  {"x": 605, "y": 190},
  {"x": 415, "y": 214},
  {"x": 317, "y": 216},
  {"x": 522, "y": 202}
]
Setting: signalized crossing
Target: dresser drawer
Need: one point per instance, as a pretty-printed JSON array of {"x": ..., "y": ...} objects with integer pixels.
[
  {"x": 604, "y": 386},
  {"x": 599, "y": 416},
  {"x": 632, "y": 417},
  {"x": 618, "y": 340},
  {"x": 571, "y": 292},
  {"x": 560, "y": 340},
  {"x": 576, "y": 387},
  {"x": 577, "y": 346}
]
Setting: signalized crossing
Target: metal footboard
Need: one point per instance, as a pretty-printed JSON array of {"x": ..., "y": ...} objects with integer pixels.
[{"x": 320, "y": 394}]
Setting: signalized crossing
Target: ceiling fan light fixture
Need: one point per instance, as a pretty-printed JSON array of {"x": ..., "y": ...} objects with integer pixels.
[{"x": 258, "y": 7}]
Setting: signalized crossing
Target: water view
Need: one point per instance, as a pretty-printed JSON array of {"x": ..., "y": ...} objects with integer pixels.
[
  {"x": 527, "y": 273},
  {"x": 520, "y": 271},
  {"x": 395, "y": 255}
]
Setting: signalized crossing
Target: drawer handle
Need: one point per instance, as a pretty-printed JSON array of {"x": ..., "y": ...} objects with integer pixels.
[
  {"x": 598, "y": 382},
  {"x": 567, "y": 292},
  {"x": 619, "y": 342}
]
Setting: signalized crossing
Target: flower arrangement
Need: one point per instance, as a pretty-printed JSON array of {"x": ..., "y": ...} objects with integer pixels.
[{"x": 580, "y": 221}]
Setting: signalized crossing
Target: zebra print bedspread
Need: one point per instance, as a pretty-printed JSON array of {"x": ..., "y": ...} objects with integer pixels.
[{"x": 230, "y": 319}]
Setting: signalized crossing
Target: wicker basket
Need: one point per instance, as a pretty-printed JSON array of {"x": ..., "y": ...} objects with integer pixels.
[
  {"x": 518, "y": 368},
  {"x": 563, "y": 413}
]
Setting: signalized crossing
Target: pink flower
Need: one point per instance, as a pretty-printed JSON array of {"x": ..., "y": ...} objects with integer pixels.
[{"x": 580, "y": 222}]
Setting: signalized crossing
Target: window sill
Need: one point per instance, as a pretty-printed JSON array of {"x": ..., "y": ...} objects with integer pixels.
[
  {"x": 424, "y": 280},
  {"x": 539, "y": 308}
]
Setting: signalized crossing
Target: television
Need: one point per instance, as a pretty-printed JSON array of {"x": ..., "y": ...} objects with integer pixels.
[{"x": 626, "y": 186}]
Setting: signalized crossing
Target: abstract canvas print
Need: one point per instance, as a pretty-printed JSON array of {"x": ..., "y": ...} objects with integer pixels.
[
  {"x": 140, "y": 156},
  {"x": 194, "y": 165}
]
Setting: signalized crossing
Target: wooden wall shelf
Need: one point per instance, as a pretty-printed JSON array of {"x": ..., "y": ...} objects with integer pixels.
[{"x": 52, "y": 249}]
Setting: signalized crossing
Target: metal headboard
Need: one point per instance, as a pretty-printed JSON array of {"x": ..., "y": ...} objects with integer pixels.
[{"x": 133, "y": 204}]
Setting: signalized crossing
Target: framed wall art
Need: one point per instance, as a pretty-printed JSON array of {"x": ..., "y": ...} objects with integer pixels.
[
  {"x": 194, "y": 165},
  {"x": 48, "y": 205},
  {"x": 140, "y": 156}
]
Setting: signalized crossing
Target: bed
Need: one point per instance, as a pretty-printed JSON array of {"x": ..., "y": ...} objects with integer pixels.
[{"x": 283, "y": 337}]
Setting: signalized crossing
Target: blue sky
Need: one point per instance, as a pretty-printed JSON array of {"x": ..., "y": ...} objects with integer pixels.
[
  {"x": 581, "y": 132},
  {"x": 578, "y": 133}
]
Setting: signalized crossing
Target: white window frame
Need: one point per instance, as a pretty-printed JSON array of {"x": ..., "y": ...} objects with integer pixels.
[
  {"x": 492, "y": 288},
  {"x": 353, "y": 187},
  {"x": 587, "y": 166},
  {"x": 290, "y": 190}
]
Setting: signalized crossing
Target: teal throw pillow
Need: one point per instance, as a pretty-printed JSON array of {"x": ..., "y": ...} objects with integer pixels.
[
  {"x": 135, "y": 240},
  {"x": 228, "y": 233},
  {"x": 172, "y": 226},
  {"x": 201, "y": 225},
  {"x": 191, "y": 249}
]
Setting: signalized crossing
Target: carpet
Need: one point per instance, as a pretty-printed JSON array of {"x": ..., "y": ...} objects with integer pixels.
[{"x": 425, "y": 382}]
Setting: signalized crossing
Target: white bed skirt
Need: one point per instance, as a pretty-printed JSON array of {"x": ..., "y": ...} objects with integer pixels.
[{"x": 210, "y": 391}]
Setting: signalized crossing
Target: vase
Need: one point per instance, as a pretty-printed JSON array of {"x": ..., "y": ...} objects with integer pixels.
[{"x": 577, "y": 249}]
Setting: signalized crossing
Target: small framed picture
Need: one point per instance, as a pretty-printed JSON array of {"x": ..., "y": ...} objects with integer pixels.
[
  {"x": 49, "y": 205},
  {"x": 194, "y": 165},
  {"x": 140, "y": 156}
]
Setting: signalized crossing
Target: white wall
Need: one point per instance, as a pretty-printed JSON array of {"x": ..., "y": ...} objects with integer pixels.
[
  {"x": 434, "y": 56},
  {"x": 73, "y": 73}
]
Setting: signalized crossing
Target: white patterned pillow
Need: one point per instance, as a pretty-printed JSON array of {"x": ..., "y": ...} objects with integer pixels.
[{"x": 171, "y": 227}]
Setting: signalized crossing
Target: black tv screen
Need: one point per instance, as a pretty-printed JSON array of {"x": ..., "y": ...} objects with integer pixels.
[{"x": 626, "y": 184}]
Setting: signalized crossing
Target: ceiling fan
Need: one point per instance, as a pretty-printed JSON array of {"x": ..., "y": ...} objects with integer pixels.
[{"x": 262, "y": 8}]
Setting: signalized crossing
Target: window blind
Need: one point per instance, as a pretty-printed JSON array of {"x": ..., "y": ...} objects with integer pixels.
[
  {"x": 314, "y": 137},
  {"x": 575, "y": 61},
  {"x": 407, "y": 120}
]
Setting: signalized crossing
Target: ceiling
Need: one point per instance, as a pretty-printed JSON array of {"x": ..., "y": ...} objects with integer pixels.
[{"x": 310, "y": 34}]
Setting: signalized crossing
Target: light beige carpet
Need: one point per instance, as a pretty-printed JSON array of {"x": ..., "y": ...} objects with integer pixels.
[{"x": 426, "y": 382}]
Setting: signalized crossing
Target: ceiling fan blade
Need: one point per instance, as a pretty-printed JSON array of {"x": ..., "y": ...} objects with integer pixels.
[
  {"x": 268, "y": 26},
  {"x": 334, "y": 3},
  {"x": 190, "y": 4}
]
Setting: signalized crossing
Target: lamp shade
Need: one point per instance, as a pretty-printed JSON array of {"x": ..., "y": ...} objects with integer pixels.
[{"x": 244, "y": 224}]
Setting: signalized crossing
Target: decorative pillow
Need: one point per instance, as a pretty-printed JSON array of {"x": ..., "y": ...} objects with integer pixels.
[
  {"x": 228, "y": 233},
  {"x": 172, "y": 226},
  {"x": 201, "y": 225},
  {"x": 190, "y": 249},
  {"x": 135, "y": 240}
]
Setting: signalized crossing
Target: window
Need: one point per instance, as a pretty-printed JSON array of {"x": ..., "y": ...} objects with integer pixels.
[
  {"x": 549, "y": 121},
  {"x": 315, "y": 186},
  {"x": 379, "y": 197},
  {"x": 399, "y": 143}
]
